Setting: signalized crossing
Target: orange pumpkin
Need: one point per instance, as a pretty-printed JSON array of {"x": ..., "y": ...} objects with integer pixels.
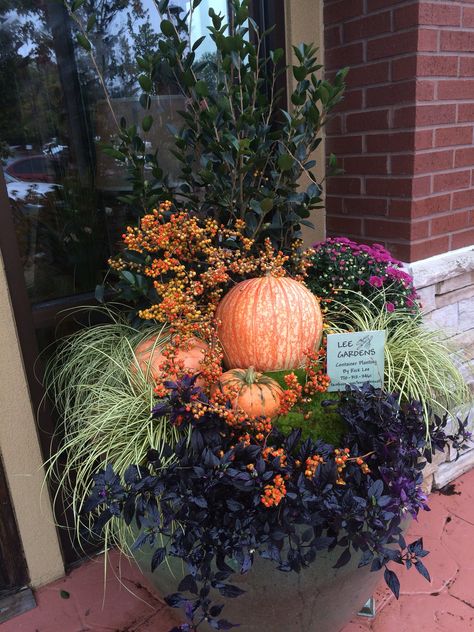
[
  {"x": 268, "y": 323},
  {"x": 256, "y": 394},
  {"x": 149, "y": 357}
]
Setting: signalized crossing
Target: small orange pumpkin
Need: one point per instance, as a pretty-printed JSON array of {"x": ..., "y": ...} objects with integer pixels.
[
  {"x": 268, "y": 323},
  {"x": 256, "y": 394},
  {"x": 149, "y": 357}
]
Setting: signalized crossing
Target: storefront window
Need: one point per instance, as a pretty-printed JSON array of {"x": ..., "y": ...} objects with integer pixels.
[{"x": 69, "y": 199}]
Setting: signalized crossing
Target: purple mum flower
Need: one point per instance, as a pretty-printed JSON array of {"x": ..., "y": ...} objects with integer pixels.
[{"x": 376, "y": 281}]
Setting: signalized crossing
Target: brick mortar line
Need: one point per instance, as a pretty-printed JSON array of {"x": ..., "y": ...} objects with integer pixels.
[
  {"x": 443, "y": 28},
  {"x": 411, "y": 220},
  {"x": 396, "y": 56},
  {"x": 409, "y": 153},
  {"x": 444, "y": 171},
  {"x": 395, "y": 107},
  {"x": 353, "y": 196},
  {"x": 455, "y": 28},
  {"x": 416, "y": 104},
  {"x": 434, "y": 214},
  {"x": 404, "y": 130},
  {"x": 396, "y": 130},
  {"x": 374, "y": 12}
]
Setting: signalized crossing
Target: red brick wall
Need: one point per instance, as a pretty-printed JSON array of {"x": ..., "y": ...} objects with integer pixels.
[{"x": 404, "y": 134}]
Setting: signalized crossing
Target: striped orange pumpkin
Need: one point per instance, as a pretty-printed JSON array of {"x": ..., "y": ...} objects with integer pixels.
[
  {"x": 256, "y": 394},
  {"x": 268, "y": 323},
  {"x": 149, "y": 357}
]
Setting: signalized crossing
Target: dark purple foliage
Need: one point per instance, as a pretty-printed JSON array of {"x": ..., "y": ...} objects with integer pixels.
[{"x": 209, "y": 490}]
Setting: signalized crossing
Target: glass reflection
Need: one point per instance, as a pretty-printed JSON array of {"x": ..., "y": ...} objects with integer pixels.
[{"x": 67, "y": 197}]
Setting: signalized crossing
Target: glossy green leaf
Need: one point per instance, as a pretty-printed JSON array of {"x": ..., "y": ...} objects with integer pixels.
[
  {"x": 83, "y": 42},
  {"x": 297, "y": 98},
  {"x": 115, "y": 153},
  {"x": 145, "y": 101},
  {"x": 167, "y": 28},
  {"x": 147, "y": 122},
  {"x": 285, "y": 162},
  {"x": 146, "y": 83},
  {"x": 299, "y": 73},
  {"x": 277, "y": 55},
  {"x": 267, "y": 205},
  {"x": 189, "y": 79},
  {"x": 91, "y": 20},
  {"x": 142, "y": 63},
  {"x": 198, "y": 43},
  {"x": 76, "y": 4},
  {"x": 202, "y": 89}
]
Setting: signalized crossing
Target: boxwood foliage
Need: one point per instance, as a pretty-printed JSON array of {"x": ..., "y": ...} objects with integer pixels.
[{"x": 216, "y": 499}]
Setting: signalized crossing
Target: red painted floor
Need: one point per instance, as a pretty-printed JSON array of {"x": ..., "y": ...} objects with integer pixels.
[{"x": 85, "y": 601}]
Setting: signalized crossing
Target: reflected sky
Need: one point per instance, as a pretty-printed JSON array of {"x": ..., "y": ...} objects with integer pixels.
[
  {"x": 200, "y": 19},
  {"x": 199, "y": 25}
]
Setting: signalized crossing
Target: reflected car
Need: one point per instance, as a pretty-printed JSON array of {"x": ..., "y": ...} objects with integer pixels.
[
  {"x": 31, "y": 169},
  {"x": 28, "y": 192},
  {"x": 53, "y": 148}
]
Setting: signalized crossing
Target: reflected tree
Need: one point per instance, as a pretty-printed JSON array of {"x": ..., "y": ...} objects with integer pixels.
[{"x": 21, "y": 28}]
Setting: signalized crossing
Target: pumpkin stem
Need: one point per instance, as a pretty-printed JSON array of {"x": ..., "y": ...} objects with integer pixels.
[{"x": 251, "y": 376}]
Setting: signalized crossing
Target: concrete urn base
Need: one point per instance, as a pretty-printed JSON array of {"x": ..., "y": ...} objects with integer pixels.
[{"x": 319, "y": 599}]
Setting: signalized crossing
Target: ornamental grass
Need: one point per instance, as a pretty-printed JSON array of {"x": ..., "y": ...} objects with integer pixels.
[
  {"x": 104, "y": 401},
  {"x": 420, "y": 364}
]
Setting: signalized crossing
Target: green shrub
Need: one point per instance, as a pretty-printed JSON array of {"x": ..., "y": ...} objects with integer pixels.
[{"x": 243, "y": 153}]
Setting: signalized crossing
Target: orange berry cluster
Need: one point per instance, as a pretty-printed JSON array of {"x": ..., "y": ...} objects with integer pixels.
[
  {"x": 274, "y": 494},
  {"x": 172, "y": 367},
  {"x": 262, "y": 428},
  {"x": 245, "y": 439},
  {"x": 256, "y": 429},
  {"x": 363, "y": 465},
  {"x": 317, "y": 380},
  {"x": 291, "y": 395},
  {"x": 191, "y": 268},
  {"x": 271, "y": 453},
  {"x": 312, "y": 463},
  {"x": 301, "y": 259},
  {"x": 211, "y": 364},
  {"x": 341, "y": 456},
  {"x": 234, "y": 417}
]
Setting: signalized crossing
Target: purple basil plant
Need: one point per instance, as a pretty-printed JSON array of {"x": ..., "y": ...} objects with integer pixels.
[{"x": 208, "y": 489}]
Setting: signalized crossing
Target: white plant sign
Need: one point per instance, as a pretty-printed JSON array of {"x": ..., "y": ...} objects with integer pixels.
[{"x": 355, "y": 358}]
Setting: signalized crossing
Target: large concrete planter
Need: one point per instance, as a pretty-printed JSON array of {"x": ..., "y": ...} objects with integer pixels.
[{"x": 319, "y": 599}]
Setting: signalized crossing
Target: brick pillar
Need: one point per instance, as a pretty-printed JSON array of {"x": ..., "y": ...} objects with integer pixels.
[{"x": 404, "y": 134}]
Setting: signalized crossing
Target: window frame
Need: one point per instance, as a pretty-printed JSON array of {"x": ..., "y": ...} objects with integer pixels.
[{"x": 13, "y": 569}]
